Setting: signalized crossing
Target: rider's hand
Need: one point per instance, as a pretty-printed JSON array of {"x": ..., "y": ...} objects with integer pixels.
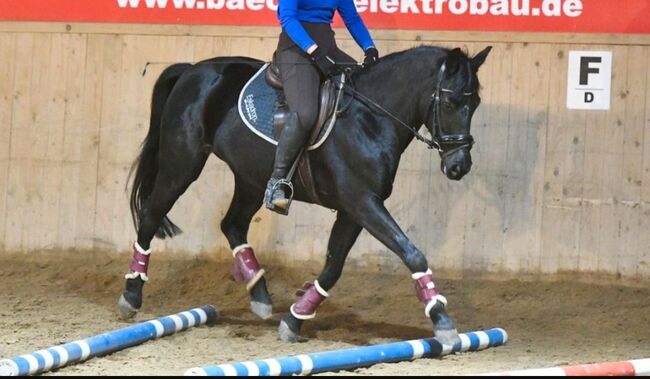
[
  {"x": 371, "y": 56},
  {"x": 324, "y": 62}
]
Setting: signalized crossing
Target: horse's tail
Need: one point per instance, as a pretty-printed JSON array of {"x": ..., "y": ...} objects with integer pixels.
[{"x": 145, "y": 167}]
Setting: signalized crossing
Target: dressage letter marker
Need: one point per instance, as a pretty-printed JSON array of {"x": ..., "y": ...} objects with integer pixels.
[
  {"x": 589, "y": 80},
  {"x": 347, "y": 359},
  {"x": 106, "y": 343}
]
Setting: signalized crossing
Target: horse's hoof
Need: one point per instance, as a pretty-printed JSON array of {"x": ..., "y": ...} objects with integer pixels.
[
  {"x": 261, "y": 310},
  {"x": 447, "y": 337},
  {"x": 286, "y": 334},
  {"x": 126, "y": 310}
]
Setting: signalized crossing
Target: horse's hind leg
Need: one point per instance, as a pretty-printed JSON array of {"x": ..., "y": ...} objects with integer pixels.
[
  {"x": 344, "y": 233},
  {"x": 181, "y": 165},
  {"x": 245, "y": 202}
]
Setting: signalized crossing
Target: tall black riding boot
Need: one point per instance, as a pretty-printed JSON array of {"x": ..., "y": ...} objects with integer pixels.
[{"x": 292, "y": 139}]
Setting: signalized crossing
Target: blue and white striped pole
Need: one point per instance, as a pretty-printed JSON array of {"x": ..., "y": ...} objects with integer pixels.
[
  {"x": 106, "y": 343},
  {"x": 347, "y": 359}
]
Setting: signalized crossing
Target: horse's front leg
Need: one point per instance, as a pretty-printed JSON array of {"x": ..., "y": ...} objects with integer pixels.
[
  {"x": 344, "y": 233},
  {"x": 376, "y": 219}
]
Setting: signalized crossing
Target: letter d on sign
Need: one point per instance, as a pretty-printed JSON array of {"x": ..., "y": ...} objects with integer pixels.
[{"x": 589, "y": 97}]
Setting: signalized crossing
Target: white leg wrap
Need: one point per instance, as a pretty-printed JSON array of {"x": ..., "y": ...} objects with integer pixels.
[
  {"x": 320, "y": 289},
  {"x": 251, "y": 283},
  {"x": 133, "y": 275},
  {"x": 432, "y": 302},
  {"x": 141, "y": 250},
  {"x": 302, "y": 317},
  {"x": 418, "y": 275},
  {"x": 239, "y": 248}
]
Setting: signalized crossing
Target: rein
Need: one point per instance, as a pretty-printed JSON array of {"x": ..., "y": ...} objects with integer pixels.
[
  {"x": 445, "y": 144},
  {"x": 431, "y": 144}
]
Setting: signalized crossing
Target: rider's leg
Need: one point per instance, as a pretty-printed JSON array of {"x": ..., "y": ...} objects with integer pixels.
[{"x": 301, "y": 82}]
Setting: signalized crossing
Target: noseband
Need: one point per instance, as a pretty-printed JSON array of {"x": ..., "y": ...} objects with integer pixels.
[{"x": 446, "y": 144}]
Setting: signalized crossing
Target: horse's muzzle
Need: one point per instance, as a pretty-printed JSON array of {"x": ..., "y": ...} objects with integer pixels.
[{"x": 457, "y": 164}]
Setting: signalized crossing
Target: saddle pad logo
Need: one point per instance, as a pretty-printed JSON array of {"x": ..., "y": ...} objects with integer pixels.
[
  {"x": 249, "y": 103},
  {"x": 258, "y": 101}
]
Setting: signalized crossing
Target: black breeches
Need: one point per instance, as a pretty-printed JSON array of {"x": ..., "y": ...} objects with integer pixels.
[{"x": 300, "y": 77}]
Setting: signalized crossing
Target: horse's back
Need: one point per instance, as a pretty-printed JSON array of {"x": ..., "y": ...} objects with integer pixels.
[
  {"x": 214, "y": 72},
  {"x": 204, "y": 92}
]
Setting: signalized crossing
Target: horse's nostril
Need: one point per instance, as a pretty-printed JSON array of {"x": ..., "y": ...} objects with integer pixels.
[{"x": 455, "y": 170}]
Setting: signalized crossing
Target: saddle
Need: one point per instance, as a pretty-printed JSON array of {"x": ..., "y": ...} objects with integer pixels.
[
  {"x": 264, "y": 110},
  {"x": 326, "y": 106}
]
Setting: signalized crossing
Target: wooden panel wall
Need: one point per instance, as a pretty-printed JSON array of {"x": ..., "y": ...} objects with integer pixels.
[{"x": 551, "y": 189}]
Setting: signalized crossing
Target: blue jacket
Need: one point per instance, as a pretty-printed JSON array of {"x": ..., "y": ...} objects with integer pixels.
[{"x": 292, "y": 12}]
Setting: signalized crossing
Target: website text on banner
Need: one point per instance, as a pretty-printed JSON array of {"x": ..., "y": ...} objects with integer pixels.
[{"x": 579, "y": 16}]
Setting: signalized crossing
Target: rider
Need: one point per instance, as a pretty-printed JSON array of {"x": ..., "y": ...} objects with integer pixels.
[{"x": 307, "y": 53}]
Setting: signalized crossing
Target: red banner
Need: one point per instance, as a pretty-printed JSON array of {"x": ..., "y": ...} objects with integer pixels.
[{"x": 576, "y": 16}]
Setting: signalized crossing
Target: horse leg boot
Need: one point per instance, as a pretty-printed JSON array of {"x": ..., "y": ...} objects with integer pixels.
[
  {"x": 375, "y": 218},
  {"x": 292, "y": 140},
  {"x": 435, "y": 307},
  {"x": 246, "y": 201},
  {"x": 131, "y": 299},
  {"x": 310, "y": 298},
  {"x": 246, "y": 269},
  {"x": 343, "y": 235}
]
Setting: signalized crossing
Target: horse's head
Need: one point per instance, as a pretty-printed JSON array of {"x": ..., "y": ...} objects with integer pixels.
[{"x": 450, "y": 112}]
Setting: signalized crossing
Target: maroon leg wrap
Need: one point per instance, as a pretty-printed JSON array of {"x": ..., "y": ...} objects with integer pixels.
[
  {"x": 425, "y": 289},
  {"x": 140, "y": 262},
  {"x": 310, "y": 299},
  {"x": 245, "y": 268},
  {"x": 427, "y": 292}
]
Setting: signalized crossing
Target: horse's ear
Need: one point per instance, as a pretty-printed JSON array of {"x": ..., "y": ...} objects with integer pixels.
[
  {"x": 479, "y": 59},
  {"x": 452, "y": 63}
]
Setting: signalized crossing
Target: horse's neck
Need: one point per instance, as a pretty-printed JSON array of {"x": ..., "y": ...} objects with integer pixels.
[{"x": 400, "y": 86}]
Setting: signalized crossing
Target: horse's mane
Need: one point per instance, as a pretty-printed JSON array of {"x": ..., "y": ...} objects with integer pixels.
[
  {"x": 414, "y": 51},
  {"x": 466, "y": 82}
]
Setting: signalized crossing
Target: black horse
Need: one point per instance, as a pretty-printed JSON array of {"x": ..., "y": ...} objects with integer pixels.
[{"x": 194, "y": 113}]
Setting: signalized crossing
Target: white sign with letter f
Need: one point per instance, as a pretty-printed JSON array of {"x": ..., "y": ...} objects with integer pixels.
[{"x": 590, "y": 80}]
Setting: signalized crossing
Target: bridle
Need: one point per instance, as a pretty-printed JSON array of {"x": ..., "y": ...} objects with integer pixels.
[{"x": 446, "y": 144}]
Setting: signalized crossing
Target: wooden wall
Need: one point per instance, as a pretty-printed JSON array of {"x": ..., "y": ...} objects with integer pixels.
[{"x": 551, "y": 189}]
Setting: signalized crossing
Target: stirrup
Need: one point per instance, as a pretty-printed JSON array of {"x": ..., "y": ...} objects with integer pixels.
[{"x": 269, "y": 203}]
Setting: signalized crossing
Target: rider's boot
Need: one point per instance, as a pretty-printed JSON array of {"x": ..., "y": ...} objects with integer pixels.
[{"x": 292, "y": 139}]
